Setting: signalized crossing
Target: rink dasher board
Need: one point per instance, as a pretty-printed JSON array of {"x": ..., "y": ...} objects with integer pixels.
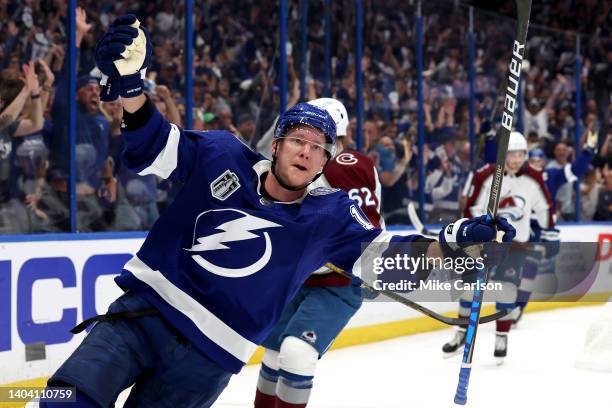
[{"x": 48, "y": 283}]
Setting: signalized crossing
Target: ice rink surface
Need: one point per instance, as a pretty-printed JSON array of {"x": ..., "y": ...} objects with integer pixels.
[{"x": 409, "y": 372}]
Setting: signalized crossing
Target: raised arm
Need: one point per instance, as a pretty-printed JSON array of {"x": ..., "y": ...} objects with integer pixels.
[
  {"x": 47, "y": 86},
  {"x": 172, "y": 112},
  {"x": 131, "y": 105},
  {"x": 12, "y": 111},
  {"x": 35, "y": 122}
]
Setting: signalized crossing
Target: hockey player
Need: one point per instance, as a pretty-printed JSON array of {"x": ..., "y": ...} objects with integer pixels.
[
  {"x": 523, "y": 192},
  {"x": 555, "y": 178},
  {"x": 221, "y": 263},
  {"x": 326, "y": 302},
  {"x": 542, "y": 262}
]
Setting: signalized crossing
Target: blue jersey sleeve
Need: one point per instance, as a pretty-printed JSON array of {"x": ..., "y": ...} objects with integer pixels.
[
  {"x": 353, "y": 233},
  {"x": 170, "y": 152},
  {"x": 555, "y": 178},
  {"x": 580, "y": 166}
]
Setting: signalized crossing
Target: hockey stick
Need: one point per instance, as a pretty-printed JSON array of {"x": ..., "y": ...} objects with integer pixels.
[
  {"x": 451, "y": 321},
  {"x": 417, "y": 224},
  {"x": 503, "y": 135},
  {"x": 480, "y": 145}
]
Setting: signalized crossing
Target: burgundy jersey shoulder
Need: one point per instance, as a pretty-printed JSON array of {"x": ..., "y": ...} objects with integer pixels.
[{"x": 354, "y": 173}]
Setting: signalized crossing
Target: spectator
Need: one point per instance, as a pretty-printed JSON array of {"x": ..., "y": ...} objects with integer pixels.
[
  {"x": 589, "y": 195},
  {"x": 561, "y": 126},
  {"x": 393, "y": 178},
  {"x": 45, "y": 212},
  {"x": 371, "y": 134},
  {"x": 21, "y": 117},
  {"x": 246, "y": 127},
  {"x": 605, "y": 152},
  {"x": 92, "y": 139},
  {"x": 236, "y": 69},
  {"x": 604, "y": 201},
  {"x": 561, "y": 156}
]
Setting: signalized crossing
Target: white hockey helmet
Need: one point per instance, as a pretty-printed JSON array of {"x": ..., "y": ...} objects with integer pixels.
[
  {"x": 517, "y": 142},
  {"x": 337, "y": 111}
]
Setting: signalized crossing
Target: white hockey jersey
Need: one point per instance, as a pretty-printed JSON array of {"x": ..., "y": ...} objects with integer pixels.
[{"x": 521, "y": 194}]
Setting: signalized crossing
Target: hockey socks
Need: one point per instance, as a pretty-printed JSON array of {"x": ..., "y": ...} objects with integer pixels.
[
  {"x": 293, "y": 390},
  {"x": 265, "y": 396},
  {"x": 281, "y": 389},
  {"x": 504, "y": 324},
  {"x": 526, "y": 286}
]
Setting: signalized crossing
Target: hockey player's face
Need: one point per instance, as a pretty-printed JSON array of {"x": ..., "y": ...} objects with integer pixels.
[
  {"x": 514, "y": 161},
  {"x": 300, "y": 155}
]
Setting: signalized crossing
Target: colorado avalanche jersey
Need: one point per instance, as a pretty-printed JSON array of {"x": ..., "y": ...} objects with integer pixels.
[
  {"x": 223, "y": 260},
  {"x": 521, "y": 194},
  {"x": 354, "y": 173}
]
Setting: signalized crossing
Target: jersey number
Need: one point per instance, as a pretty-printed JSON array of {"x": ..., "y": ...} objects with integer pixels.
[{"x": 357, "y": 194}]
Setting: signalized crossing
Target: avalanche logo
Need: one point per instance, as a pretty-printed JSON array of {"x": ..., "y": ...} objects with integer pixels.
[
  {"x": 214, "y": 228},
  {"x": 512, "y": 207},
  {"x": 346, "y": 159},
  {"x": 309, "y": 336}
]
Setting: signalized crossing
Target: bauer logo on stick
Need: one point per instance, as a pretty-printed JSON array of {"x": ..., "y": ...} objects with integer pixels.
[{"x": 513, "y": 84}]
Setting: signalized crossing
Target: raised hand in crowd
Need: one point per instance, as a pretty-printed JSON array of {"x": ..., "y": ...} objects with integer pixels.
[
  {"x": 113, "y": 111},
  {"x": 82, "y": 26},
  {"x": 30, "y": 78},
  {"x": 29, "y": 90},
  {"x": 57, "y": 53},
  {"x": 33, "y": 121},
  {"x": 162, "y": 91},
  {"x": 172, "y": 112},
  {"x": 31, "y": 202},
  {"x": 108, "y": 190},
  {"x": 407, "y": 145},
  {"x": 429, "y": 126},
  {"x": 48, "y": 79}
]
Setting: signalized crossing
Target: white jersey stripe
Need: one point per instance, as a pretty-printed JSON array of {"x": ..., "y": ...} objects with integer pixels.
[
  {"x": 367, "y": 254},
  {"x": 210, "y": 325},
  {"x": 569, "y": 174},
  {"x": 166, "y": 161}
]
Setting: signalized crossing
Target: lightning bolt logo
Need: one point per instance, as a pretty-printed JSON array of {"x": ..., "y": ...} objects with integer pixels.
[{"x": 239, "y": 229}]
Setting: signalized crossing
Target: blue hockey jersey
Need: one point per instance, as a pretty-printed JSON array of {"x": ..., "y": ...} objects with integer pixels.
[{"x": 223, "y": 260}]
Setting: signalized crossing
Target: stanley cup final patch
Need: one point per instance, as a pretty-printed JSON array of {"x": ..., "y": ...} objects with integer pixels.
[{"x": 224, "y": 185}]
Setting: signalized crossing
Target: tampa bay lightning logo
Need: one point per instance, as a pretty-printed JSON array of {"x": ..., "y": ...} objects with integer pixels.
[
  {"x": 512, "y": 207},
  {"x": 248, "y": 250}
]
